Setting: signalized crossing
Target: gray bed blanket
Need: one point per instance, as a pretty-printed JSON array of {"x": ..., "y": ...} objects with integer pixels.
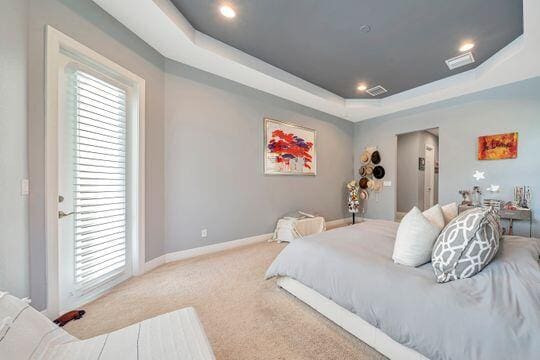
[{"x": 493, "y": 315}]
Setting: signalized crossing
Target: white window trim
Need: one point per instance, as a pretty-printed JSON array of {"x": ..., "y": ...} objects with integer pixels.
[{"x": 57, "y": 42}]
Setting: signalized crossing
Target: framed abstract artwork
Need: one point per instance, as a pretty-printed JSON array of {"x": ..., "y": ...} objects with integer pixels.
[
  {"x": 289, "y": 149},
  {"x": 496, "y": 147}
]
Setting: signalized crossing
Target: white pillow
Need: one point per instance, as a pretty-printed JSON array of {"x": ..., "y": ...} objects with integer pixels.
[
  {"x": 450, "y": 211},
  {"x": 435, "y": 216},
  {"x": 415, "y": 238}
]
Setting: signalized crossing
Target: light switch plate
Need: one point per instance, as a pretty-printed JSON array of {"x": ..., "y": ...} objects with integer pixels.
[
  {"x": 387, "y": 183},
  {"x": 25, "y": 187}
]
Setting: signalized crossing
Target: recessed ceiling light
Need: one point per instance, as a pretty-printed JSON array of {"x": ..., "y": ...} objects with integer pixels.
[
  {"x": 361, "y": 87},
  {"x": 466, "y": 46},
  {"x": 227, "y": 11}
]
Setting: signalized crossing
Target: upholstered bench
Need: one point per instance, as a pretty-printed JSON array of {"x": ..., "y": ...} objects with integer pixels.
[{"x": 27, "y": 334}]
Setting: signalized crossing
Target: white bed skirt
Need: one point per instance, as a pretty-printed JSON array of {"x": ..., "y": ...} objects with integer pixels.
[{"x": 349, "y": 321}]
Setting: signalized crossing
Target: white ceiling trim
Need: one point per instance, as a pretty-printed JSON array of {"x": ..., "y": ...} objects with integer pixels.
[{"x": 163, "y": 27}]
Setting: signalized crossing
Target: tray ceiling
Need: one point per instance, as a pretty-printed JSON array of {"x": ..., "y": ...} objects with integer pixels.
[
  {"x": 165, "y": 28},
  {"x": 325, "y": 43}
]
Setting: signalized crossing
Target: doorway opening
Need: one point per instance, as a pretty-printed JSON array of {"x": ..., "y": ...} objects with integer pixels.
[
  {"x": 417, "y": 171},
  {"x": 94, "y": 174}
]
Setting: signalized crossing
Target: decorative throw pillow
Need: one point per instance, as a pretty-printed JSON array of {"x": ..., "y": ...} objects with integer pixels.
[
  {"x": 435, "y": 216},
  {"x": 466, "y": 245},
  {"x": 414, "y": 239},
  {"x": 450, "y": 211}
]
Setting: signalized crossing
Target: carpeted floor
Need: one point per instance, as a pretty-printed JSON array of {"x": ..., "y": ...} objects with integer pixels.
[{"x": 244, "y": 316}]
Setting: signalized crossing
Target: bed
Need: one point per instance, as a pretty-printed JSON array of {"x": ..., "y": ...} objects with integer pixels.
[{"x": 348, "y": 275}]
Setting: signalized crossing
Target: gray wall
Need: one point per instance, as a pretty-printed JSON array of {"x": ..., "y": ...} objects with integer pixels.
[
  {"x": 13, "y": 156},
  {"x": 213, "y": 161},
  {"x": 87, "y": 23},
  {"x": 216, "y": 111},
  {"x": 514, "y": 107}
]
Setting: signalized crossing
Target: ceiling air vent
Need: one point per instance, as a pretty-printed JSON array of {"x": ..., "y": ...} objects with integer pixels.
[
  {"x": 460, "y": 60},
  {"x": 376, "y": 90}
]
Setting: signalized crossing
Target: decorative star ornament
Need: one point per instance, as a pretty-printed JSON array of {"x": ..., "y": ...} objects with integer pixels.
[
  {"x": 493, "y": 188},
  {"x": 479, "y": 175}
]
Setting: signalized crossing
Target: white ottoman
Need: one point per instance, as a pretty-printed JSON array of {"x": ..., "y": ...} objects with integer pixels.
[{"x": 289, "y": 229}]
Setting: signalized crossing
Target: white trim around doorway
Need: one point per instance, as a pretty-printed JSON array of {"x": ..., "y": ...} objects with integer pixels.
[{"x": 58, "y": 43}]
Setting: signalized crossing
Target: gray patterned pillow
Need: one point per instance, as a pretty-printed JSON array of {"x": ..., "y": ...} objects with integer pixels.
[{"x": 466, "y": 245}]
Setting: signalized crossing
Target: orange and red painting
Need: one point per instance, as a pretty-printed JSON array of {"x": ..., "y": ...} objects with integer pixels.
[
  {"x": 290, "y": 149},
  {"x": 500, "y": 146}
]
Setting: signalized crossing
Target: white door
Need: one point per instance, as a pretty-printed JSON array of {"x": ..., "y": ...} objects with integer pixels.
[
  {"x": 94, "y": 237},
  {"x": 429, "y": 177}
]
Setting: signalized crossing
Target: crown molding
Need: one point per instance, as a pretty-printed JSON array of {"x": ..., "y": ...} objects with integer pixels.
[{"x": 162, "y": 26}]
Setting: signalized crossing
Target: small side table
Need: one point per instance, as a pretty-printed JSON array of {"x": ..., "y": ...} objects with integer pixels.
[
  {"x": 510, "y": 215},
  {"x": 518, "y": 214}
]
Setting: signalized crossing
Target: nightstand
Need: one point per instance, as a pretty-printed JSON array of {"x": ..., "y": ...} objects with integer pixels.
[
  {"x": 510, "y": 215},
  {"x": 518, "y": 214}
]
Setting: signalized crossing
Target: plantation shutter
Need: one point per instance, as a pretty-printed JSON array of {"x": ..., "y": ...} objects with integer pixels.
[{"x": 100, "y": 157}]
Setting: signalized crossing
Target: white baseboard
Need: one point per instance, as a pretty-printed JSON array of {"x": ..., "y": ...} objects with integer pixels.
[
  {"x": 154, "y": 263},
  {"x": 203, "y": 250},
  {"x": 209, "y": 249}
]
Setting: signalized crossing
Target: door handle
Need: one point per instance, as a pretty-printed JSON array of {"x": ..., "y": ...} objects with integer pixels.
[{"x": 62, "y": 214}]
